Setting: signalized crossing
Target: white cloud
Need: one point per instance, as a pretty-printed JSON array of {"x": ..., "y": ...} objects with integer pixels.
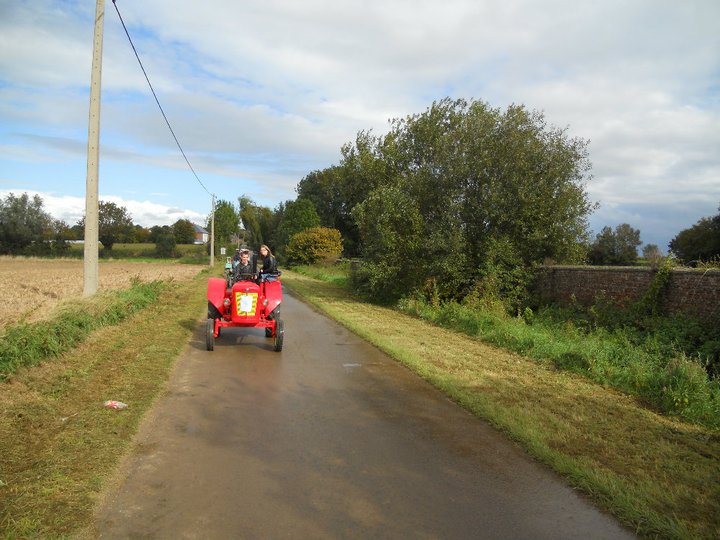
[
  {"x": 260, "y": 93},
  {"x": 72, "y": 209}
]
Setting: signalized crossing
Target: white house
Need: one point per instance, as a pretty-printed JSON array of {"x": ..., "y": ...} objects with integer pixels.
[{"x": 201, "y": 235}]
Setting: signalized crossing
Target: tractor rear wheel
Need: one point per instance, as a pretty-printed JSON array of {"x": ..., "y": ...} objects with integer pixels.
[
  {"x": 279, "y": 335},
  {"x": 210, "y": 334}
]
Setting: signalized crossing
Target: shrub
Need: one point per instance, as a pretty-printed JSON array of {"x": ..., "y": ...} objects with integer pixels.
[
  {"x": 165, "y": 246},
  {"x": 317, "y": 244}
]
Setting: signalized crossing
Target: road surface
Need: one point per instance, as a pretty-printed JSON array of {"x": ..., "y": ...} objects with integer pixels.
[{"x": 328, "y": 439}]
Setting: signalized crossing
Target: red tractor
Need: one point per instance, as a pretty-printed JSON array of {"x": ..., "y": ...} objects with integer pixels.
[{"x": 250, "y": 301}]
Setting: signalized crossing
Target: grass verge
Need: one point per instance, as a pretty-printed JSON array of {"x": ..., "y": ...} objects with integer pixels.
[
  {"x": 658, "y": 476},
  {"x": 58, "y": 444},
  {"x": 667, "y": 380},
  {"x": 28, "y": 344}
]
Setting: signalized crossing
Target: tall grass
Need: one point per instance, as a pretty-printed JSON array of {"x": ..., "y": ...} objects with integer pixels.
[
  {"x": 337, "y": 274},
  {"x": 28, "y": 344},
  {"x": 665, "y": 379}
]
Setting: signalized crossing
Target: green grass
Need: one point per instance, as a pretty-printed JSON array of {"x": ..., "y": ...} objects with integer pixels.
[
  {"x": 657, "y": 475},
  {"x": 337, "y": 274},
  {"x": 59, "y": 445},
  {"x": 672, "y": 383},
  {"x": 28, "y": 344}
]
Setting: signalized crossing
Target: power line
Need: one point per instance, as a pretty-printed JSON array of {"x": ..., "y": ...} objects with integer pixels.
[{"x": 156, "y": 98}]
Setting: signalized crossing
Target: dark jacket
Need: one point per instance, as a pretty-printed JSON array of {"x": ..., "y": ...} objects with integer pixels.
[
  {"x": 269, "y": 265},
  {"x": 242, "y": 271}
]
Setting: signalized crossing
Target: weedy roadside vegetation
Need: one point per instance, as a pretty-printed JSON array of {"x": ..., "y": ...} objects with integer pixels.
[
  {"x": 59, "y": 445},
  {"x": 658, "y": 475},
  {"x": 28, "y": 344}
]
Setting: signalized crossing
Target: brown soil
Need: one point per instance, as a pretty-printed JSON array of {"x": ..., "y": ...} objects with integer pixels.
[{"x": 31, "y": 288}]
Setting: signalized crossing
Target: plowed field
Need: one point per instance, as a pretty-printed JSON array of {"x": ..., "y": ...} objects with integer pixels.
[{"x": 30, "y": 288}]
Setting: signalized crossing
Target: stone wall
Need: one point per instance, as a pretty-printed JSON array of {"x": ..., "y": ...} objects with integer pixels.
[{"x": 689, "y": 289}]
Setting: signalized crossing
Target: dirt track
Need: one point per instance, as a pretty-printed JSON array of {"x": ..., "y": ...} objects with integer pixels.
[
  {"x": 328, "y": 439},
  {"x": 30, "y": 288}
]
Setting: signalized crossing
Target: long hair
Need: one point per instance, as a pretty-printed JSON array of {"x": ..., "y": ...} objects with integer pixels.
[{"x": 268, "y": 250}]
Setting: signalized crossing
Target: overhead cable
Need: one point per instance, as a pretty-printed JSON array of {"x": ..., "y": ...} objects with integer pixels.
[{"x": 156, "y": 98}]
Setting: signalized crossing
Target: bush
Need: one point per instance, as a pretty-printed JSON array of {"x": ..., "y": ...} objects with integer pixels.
[
  {"x": 165, "y": 246},
  {"x": 317, "y": 244}
]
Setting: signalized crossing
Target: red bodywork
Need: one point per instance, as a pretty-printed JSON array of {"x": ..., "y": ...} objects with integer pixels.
[{"x": 247, "y": 304}]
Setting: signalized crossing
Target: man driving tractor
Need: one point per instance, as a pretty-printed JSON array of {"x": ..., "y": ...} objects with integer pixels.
[{"x": 243, "y": 269}]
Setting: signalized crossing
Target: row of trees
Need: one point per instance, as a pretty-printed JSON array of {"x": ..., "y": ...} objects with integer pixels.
[
  {"x": 27, "y": 228},
  {"x": 460, "y": 197},
  {"x": 699, "y": 243},
  {"x": 464, "y": 196}
]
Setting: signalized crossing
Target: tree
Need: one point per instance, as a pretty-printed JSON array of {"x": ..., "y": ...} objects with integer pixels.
[
  {"x": 184, "y": 231},
  {"x": 115, "y": 224},
  {"x": 651, "y": 252},
  {"x": 142, "y": 235},
  {"x": 158, "y": 230},
  {"x": 615, "y": 248},
  {"x": 487, "y": 189},
  {"x": 165, "y": 245},
  {"x": 701, "y": 242},
  {"x": 335, "y": 191},
  {"x": 258, "y": 222},
  {"x": 76, "y": 232},
  {"x": 226, "y": 221},
  {"x": 317, "y": 244},
  {"x": 23, "y": 221},
  {"x": 61, "y": 233},
  {"x": 294, "y": 217}
]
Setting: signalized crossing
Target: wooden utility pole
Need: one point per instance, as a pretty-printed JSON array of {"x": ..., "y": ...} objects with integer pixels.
[{"x": 93, "y": 158}]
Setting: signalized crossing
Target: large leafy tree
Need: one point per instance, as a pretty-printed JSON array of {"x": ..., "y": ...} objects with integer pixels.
[
  {"x": 114, "y": 224},
  {"x": 326, "y": 191},
  {"x": 142, "y": 235},
  {"x": 490, "y": 190},
  {"x": 294, "y": 217},
  {"x": 701, "y": 242},
  {"x": 184, "y": 231},
  {"x": 618, "y": 247},
  {"x": 336, "y": 191},
  {"x": 158, "y": 230},
  {"x": 227, "y": 221},
  {"x": 23, "y": 221},
  {"x": 258, "y": 221}
]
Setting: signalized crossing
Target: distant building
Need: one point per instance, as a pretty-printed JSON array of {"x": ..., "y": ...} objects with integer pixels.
[{"x": 201, "y": 235}]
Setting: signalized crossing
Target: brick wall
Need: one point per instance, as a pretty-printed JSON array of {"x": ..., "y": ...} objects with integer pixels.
[{"x": 688, "y": 289}]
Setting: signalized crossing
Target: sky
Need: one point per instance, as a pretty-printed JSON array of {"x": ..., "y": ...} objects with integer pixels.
[{"x": 262, "y": 92}]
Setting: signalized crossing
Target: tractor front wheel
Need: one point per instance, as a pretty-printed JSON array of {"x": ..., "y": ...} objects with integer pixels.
[
  {"x": 210, "y": 334},
  {"x": 279, "y": 335}
]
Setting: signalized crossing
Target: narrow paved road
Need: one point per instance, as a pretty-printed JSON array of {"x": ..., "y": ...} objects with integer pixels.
[{"x": 328, "y": 439}]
